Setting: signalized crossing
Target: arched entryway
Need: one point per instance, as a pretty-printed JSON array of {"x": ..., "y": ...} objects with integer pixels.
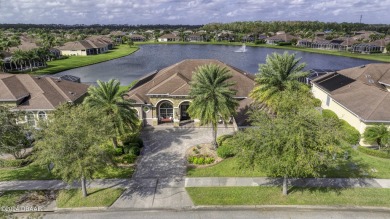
[
  {"x": 183, "y": 111},
  {"x": 165, "y": 112}
]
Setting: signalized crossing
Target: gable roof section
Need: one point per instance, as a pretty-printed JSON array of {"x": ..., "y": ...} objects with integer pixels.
[
  {"x": 43, "y": 93},
  {"x": 174, "y": 80},
  {"x": 11, "y": 89},
  {"x": 358, "y": 90}
]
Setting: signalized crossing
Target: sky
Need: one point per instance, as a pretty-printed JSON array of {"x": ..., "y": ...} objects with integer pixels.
[{"x": 191, "y": 12}]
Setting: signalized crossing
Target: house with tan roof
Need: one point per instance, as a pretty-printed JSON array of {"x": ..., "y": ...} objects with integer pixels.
[
  {"x": 163, "y": 97},
  {"x": 84, "y": 47},
  {"x": 168, "y": 38},
  {"x": 359, "y": 95},
  {"x": 280, "y": 38},
  {"x": 37, "y": 96}
]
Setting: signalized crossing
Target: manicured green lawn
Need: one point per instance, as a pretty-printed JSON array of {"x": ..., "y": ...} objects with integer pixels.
[
  {"x": 34, "y": 172},
  {"x": 228, "y": 168},
  {"x": 96, "y": 198},
  {"x": 79, "y": 61},
  {"x": 375, "y": 57},
  {"x": 9, "y": 198},
  {"x": 296, "y": 196},
  {"x": 359, "y": 165}
]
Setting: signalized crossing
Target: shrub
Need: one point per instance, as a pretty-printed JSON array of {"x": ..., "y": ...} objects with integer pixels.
[
  {"x": 200, "y": 160},
  {"x": 375, "y": 153},
  {"x": 12, "y": 163},
  {"x": 129, "y": 158},
  {"x": 317, "y": 102},
  {"x": 284, "y": 44},
  {"x": 133, "y": 139},
  {"x": 222, "y": 138},
  {"x": 118, "y": 151},
  {"x": 132, "y": 147},
  {"x": 329, "y": 114},
  {"x": 351, "y": 135},
  {"x": 227, "y": 149}
]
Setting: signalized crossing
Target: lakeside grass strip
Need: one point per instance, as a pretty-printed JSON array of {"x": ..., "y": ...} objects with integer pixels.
[
  {"x": 73, "y": 198},
  {"x": 80, "y": 61},
  {"x": 296, "y": 196},
  {"x": 380, "y": 57}
]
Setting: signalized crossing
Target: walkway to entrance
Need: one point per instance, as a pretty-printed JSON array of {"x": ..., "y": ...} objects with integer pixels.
[{"x": 163, "y": 165}]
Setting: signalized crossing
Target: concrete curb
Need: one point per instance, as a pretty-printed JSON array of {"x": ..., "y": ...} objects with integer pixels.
[
  {"x": 298, "y": 207},
  {"x": 81, "y": 209}
]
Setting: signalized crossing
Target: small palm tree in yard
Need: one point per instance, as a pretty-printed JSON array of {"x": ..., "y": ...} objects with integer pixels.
[
  {"x": 278, "y": 73},
  {"x": 377, "y": 134},
  {"x": 109, "y": 100},
  {"x": 213, "y": 98}
]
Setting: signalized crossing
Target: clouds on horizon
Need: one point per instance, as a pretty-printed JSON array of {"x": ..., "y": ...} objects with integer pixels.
[{"x": 190, "y": 11}]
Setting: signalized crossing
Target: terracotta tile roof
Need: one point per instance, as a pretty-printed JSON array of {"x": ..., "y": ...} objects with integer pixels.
[
  {"x": 175, "y": 79},
  {"x": 359, "y": 90},
  {"x": 169, "y": 36},
  {"x": 39, "y": 93}
]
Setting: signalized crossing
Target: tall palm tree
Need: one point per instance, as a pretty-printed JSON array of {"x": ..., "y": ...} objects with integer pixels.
[
  {"x": 275, "y": 75},
  {"x": 213, "y": 98},
  {"x": 19, "y": 57},
  {"x": 377, "y": 134},
  {"x": 109, "y": 99}
]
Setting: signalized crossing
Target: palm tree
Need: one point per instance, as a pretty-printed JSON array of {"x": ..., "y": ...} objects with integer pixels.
[
  {"x": 275, "y": 75},
  {"x": 213, "y": 99},
  {"x": 378, "y": 134},
  {"x": 19, "y": 57},
  {"x": 108, "y": 99}
]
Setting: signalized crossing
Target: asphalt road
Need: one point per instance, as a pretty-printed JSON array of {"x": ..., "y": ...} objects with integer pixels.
[{"x": 228, "y": 213}]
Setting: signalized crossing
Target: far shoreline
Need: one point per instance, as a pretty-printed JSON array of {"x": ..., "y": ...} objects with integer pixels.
[{"x": 379, "y": 57}]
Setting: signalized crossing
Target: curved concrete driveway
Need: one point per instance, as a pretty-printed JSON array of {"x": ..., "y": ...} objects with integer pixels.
[{"x": 160, "y": 171}]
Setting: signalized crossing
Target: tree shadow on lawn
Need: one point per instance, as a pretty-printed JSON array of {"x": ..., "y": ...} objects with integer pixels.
[{"x": 350, "y": 168}]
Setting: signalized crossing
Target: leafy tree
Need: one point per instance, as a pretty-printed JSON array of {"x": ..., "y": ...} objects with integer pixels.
[
  {"x": 212, "y": 96},
  {"x": 377, "y": 134},
  {"x": 275, "y": 75},
  {"x": 296, "y": 142},
  {"x": 72, "y": 143},
  {"x": 108, "y": 99},
  {"x": 13, "y": 137}
]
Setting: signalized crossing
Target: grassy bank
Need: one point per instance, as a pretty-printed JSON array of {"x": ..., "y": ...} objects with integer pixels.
[
  {"x": 358, "y": 166},
  {"x": 297, "y": 196},
  {"x": 96, "y": 198},
  {"x": 374, "y": 57},
  {"x": 80, "y": 61},
  {"x": 34, "y": 172}
]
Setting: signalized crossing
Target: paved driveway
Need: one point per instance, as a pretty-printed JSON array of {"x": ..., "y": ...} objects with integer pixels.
[{"x": 162, "y": 168}]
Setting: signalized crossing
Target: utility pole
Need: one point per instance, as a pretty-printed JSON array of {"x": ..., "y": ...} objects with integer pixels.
[{"x": 361, "y": 16}]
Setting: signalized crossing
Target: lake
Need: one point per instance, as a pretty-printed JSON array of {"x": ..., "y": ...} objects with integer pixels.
[{"x": 150, "y": 58}]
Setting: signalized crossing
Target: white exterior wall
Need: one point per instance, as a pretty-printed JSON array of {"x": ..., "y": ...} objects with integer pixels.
[
  {"x": 162, "y": 40},
  {"x": 340, "y": 111},
  {"x": 73, "y": 53}
]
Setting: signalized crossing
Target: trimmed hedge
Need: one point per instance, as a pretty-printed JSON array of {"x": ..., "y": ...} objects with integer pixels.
[
  {"x": 375, "y": 153},
  {"x": 352, "y": 135},
  {"x": 329, "y": 114}
]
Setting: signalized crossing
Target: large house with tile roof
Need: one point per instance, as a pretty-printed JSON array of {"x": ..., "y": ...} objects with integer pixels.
[
  {"x": 37, "y": 95},
  {"x": 359, "y": 95},
  {"x": 162, "y": 97}
]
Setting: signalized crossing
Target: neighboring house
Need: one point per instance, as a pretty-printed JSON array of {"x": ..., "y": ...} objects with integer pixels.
[
  {"x": 360, "y": 95},
  {"x": 84, "y": 48},
  {"x": 37, "y": 96},
  {"x": 280, "y": 38},
  {"x": 103, "y": 39},
  {"x": 194, "y": 38},
  {"x": 137, "y": 38},
  {"x": 162, "y": 97},
  {"x": 168, "y": 38}
]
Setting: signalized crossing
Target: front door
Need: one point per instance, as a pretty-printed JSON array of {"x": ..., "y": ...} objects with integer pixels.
[{"x": 184, "y": 115}]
